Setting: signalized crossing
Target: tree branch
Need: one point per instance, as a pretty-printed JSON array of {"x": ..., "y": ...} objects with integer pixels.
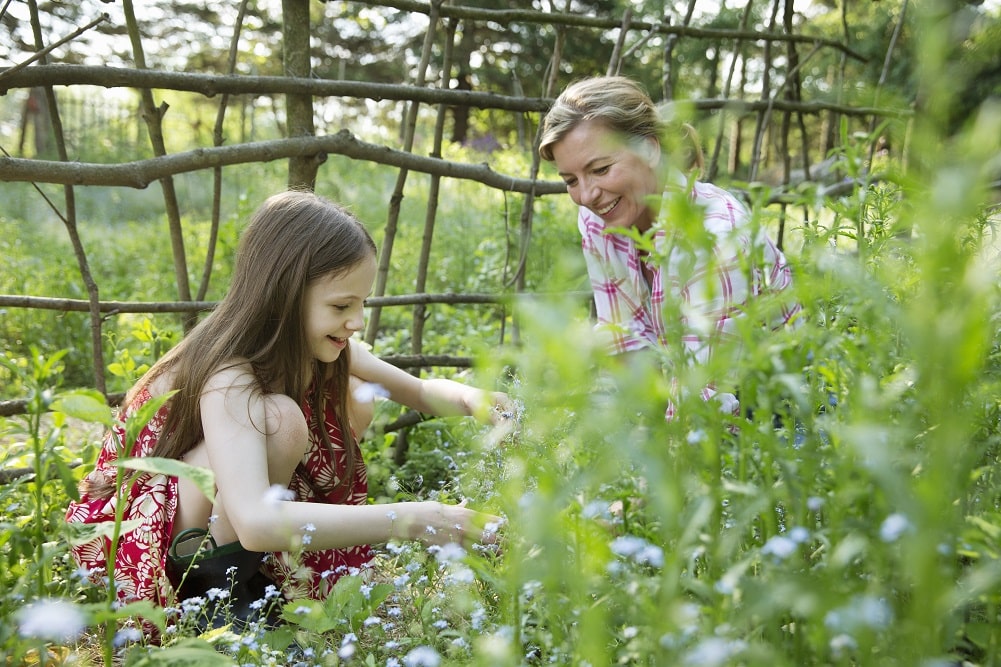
[
  {"x": 214, "y": 84},
  {"x": 114, "y": 307},
  {"x": 141, "y": 173},
  {"x": 508, "y": 16}
]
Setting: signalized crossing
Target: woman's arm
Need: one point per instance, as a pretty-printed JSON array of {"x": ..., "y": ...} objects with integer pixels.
[{"x": 439, "y": 397}]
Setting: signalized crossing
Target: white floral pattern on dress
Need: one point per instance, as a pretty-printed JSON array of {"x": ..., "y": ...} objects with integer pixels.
[{"x": 142, "y": 552}]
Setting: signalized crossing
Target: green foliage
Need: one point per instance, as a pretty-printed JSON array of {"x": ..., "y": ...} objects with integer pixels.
[
  {"x": 859, "y": 529},
  {"x": 848, "y": 517}
]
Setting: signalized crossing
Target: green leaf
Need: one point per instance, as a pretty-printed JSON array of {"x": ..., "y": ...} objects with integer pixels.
[
  {"x": 202, "y": 477},
  {"x": 67, "y": 478},
  {"x": 185, "y": 653},
  {"x": 138, "y": 420},
  {"x": 82, "y": 533},
  {"x": 88, "y": 405},
  {"x": 100, "y": 612},
  {"x": 316, "y": 619}
]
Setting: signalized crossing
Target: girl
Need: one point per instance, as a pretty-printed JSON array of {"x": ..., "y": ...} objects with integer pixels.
[
  {"x": 263, "y": 398},
  {"x": 606, "y": 138}
]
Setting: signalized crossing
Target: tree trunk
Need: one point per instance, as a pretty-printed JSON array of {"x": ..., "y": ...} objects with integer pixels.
[{"x": 299, "y": 108}]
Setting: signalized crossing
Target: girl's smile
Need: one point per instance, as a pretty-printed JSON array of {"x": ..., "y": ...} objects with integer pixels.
[{"x": 334, "y": 309}]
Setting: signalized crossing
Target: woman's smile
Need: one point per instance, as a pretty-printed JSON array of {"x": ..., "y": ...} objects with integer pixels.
[{"x": 608, "y": 208}]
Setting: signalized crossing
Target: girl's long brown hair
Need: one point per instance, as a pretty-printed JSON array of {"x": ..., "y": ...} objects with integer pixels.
[{"x": 292, "y": 240}]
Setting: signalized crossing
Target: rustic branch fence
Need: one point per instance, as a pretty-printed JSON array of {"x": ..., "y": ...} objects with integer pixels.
[{"x": 306, "y": 152}]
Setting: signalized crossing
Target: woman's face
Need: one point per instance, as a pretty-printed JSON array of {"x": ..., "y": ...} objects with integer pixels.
[
  {"x": 334, "y": 309},
  {"x": 612, "y": 177}
]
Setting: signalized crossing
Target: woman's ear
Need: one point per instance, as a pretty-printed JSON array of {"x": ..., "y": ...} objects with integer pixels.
[{"x": 651, "y": 151}]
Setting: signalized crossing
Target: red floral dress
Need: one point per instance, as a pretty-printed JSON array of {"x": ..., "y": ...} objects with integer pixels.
[{"x": 152, "y": 500}]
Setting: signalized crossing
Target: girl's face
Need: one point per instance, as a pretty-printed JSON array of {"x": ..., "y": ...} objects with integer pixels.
[
  {"x": 608, "y": 175},
  {"x": 334, "y": 309}
]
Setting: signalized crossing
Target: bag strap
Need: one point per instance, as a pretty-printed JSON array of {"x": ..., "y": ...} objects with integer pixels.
[{"x": 189, "y": 535}]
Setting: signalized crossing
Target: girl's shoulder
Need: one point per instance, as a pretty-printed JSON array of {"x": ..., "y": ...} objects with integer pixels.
[{"x": 232, "y": 374}]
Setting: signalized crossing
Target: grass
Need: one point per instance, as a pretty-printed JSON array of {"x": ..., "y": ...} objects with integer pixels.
[{"x": 864, "y": 530}]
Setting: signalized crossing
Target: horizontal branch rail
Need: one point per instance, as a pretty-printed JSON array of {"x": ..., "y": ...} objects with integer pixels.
[
  {"x": 113, "y": 307},
  {"x": 139, "y": 174},
  {"x": 236, "y": 84},
  {"x": 213, "y": 84},
  {"x": 754, "y": 106},
  {"x": 506, "y": 16}
]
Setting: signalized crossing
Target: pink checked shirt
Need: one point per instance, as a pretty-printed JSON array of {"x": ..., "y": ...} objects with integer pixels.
[{"x": 710, "y": 284}]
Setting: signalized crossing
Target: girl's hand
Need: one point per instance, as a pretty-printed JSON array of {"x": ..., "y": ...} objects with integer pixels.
[
  {"x": 435, "y": 523},
  {"x": 489, "y": 407}
]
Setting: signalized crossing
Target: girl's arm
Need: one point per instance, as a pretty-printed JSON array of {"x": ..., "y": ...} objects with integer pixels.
[
  {"x": 236, "y": 421},
  {"x": 439, "y": 397}
]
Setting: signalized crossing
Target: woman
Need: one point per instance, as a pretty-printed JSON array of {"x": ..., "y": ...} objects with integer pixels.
[
  {"x": 260, "y": 394},
  {"x": 607, "y": 140}
]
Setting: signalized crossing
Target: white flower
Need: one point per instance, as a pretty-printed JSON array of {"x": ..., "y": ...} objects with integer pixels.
[
  {"x": 715, "y": 651},
  {"x": 594, "y": 509},
  {"x": 192, "y": 605},
  {"x": 278, "y": 493},
  {"x": 893, "y": 527},
  {"x": 492, "y": 527},
  {"x": 842, "y": 644},
  {"x": 55, "y": 620},
  {"x": 450, "y": 553},
  {"x": 799, "y": 534},
  {"x": 814, "y": 503},
  {"x": 422, "y": 656},
  {"x": 460, "y": 574},
  {"x": 477, "y": 617},
  {"x": 126, "y": 635},
  {"x": 217, "y": 594},
  {"x": 779, "y": 546},
  {"x": 372, "y": 620},
  {"x": 862, "y": 612},
  {"x": 369, "y": 391},
  {"x": 639, "y": 550},
  {"x": 627, "y": 545}
]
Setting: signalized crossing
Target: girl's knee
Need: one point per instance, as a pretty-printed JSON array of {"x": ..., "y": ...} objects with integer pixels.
[
  {"x": 286, "y": 430},
  {"x": 360, "y": 414}
]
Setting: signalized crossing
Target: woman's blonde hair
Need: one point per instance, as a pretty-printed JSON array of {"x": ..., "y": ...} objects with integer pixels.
[{"x": 623, "y": 106}]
